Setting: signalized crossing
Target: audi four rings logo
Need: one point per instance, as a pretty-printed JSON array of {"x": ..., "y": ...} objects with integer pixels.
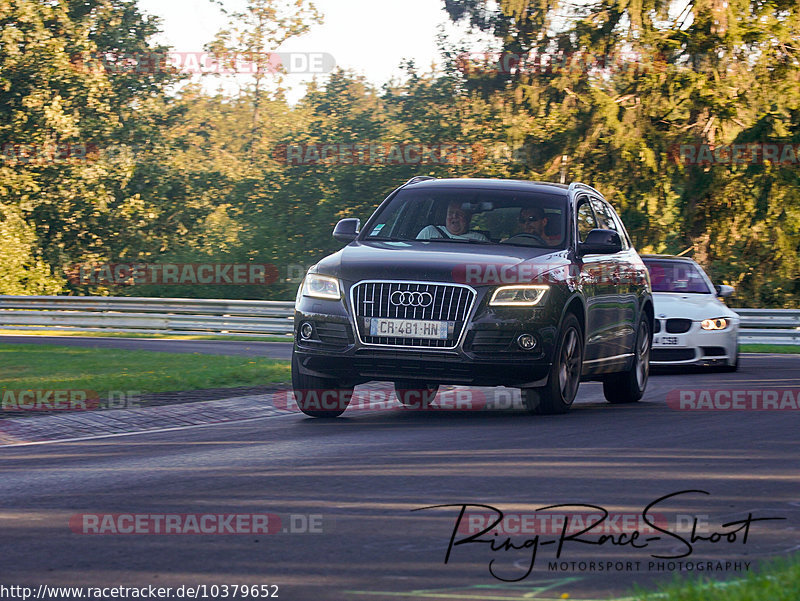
[{"x": 400, "y": 298}]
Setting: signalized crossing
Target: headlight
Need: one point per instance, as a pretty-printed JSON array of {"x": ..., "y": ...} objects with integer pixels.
[
  {"x": 518, "y": 296},
  {"x": 720, "y": 323},
  {"x": 321, "y": 286}
]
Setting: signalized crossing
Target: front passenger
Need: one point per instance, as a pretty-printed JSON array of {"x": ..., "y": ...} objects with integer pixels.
[{"x": 456, "y": 227}]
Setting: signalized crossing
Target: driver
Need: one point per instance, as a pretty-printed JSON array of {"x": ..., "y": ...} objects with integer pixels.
[
  {"x": 532, "y": 223},
  {"x": 456, "y": 226}
]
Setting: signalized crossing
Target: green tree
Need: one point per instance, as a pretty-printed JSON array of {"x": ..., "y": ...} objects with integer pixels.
[
  {"x": 22, "y": 270},
  {"x": 71, "y": 91},
  {"x": 254, "y": 34},
  {"x": 717, "y": 73}
]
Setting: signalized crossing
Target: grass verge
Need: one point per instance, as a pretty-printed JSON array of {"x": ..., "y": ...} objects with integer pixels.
[
  {"x": 778, "y": 580},
  {"x": 47, "y": 367},
  {"x": 770, "y": 348}
]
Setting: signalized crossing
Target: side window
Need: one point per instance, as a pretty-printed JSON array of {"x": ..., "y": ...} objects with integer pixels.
[
  {"x": 623, "y": 233},
  {"x": 609, "y": 220},
  {"x": 586, "y": 219},
  {"x": 604, "y": 220}
]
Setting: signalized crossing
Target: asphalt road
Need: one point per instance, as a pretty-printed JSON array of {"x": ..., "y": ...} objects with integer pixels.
[{"x": 366, "y": 472}]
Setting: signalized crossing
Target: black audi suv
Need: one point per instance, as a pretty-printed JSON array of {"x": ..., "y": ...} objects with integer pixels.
[{"x": 476, "y": 282}]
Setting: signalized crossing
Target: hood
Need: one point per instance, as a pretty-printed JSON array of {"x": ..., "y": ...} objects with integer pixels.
[
  {"x": 434, "y": 261},
  {"x": 690, "y": 306}
]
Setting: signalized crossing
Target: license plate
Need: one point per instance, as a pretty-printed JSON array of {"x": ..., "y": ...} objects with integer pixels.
[
  {"x": 408, "y": 328},
  {"x": 667, "y": 341}
]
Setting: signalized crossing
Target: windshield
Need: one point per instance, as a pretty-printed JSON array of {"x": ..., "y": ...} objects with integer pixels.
[
  {"x": 677, "y": 276},
  {"x": 472, "y": 216}
]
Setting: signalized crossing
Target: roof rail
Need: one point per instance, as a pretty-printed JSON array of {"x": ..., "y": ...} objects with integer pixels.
[
  {"x": 418, "y": 178},
  {"x": 574, "y": 185}
]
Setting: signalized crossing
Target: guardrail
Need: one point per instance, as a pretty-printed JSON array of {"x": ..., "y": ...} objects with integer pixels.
[
  {"x": 253, "y": 318},
  {"x": 147, "y": 315},
  {"x": 761, "y": 326}
]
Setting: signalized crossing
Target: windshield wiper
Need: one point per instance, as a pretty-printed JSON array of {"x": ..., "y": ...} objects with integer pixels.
[
  {"x": 385, "y": 239},
  {"x": 529, "y": 245},
  {"x": 468, "y": 240}
]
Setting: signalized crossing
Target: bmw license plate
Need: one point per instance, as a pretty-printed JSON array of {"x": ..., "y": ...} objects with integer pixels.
[
  {"x": 667, "y": 341},
  {"x": 408, "y": 328}
]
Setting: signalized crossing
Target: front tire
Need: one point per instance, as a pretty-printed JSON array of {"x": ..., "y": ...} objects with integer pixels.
[
  {"x": 565, "y": 374},
  {"x": 319, "y": 397},
  {"x": 732, "y": 367},
  {"x": 629, "y": 386}
]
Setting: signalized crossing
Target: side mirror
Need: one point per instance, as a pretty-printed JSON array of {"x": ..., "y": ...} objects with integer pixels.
[
  {"x": 723, "y": 290},
  {"x": 346, "y": 230},
  {"x": 600, "y": 242}
]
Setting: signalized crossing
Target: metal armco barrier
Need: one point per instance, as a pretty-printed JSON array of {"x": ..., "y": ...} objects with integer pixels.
[
  {"x": 147, "y": 315},
  {"x": 769, "y": 326},
  {"x": 253, "y": 318}
]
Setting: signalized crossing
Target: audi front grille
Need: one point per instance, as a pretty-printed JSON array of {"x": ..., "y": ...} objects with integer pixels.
[{"x": 412, "y": 300}]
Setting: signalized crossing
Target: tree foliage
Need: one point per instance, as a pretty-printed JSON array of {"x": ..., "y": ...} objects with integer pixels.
[{"x": 604, "y": 92}]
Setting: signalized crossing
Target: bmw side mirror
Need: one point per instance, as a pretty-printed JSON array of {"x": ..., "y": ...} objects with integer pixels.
[
  {"x": 600, "y": 242},
  {"x": 723, "y": 290},
  {"x": 346, "y": 230}
]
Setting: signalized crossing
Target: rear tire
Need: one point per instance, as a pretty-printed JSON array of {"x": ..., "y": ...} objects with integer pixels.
[
  {"x": 565, "y": 374},
  {"x": 415, "y": 395},
  {"x": 629, "y": 386},
  {"x": 319, "y": 397}
]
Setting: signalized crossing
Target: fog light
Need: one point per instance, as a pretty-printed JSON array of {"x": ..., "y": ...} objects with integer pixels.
[
  {"x": 306, "y": 330},
  {"x": 526, "y": 342}
]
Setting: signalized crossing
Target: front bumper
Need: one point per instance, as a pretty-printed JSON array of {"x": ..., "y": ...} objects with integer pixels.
[
  {"x": 486, "y": 353},
  {"x": 356, "y": 367},
  {"x": 696, "y": 347}
]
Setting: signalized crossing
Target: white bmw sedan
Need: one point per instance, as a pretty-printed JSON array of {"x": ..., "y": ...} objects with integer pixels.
[{"x": 692, "y": 326}]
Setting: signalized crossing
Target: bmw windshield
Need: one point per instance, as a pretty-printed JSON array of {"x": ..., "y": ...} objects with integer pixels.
[
  {"x": 472, "y": 216},
  {"x": 676, "y": 276}
]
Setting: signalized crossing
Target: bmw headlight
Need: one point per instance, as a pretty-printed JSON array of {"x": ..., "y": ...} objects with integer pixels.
[
  {"x": 321, "y": 286},
  {"x": 720, "y": 323},
  {"x": 518, "y": 296}
]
